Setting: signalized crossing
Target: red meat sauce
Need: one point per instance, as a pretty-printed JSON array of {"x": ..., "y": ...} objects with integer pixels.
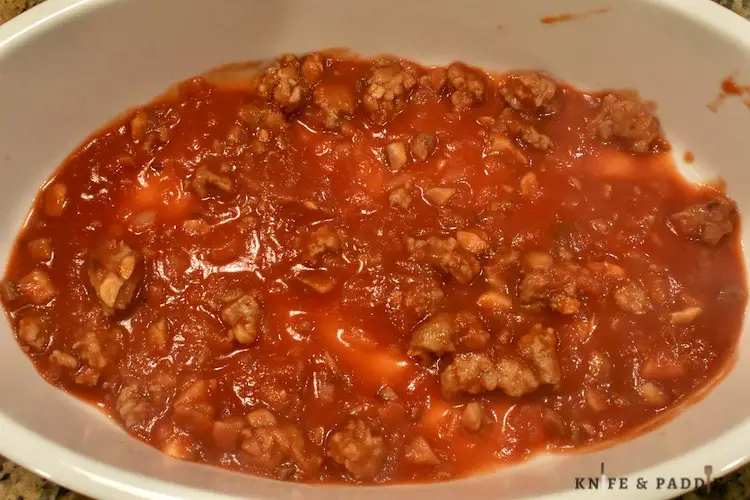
[{"x": 369, "y": 271}]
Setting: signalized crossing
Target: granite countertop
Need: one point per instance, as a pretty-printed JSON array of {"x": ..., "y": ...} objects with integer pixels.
[{"x": 17, "y": 483}]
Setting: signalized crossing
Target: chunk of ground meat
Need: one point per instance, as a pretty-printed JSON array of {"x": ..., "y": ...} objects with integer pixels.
[
  {"x": 596, "y": 399},
  {"x": 318, "y": 281},
  {"x": 420, "y": 297},
  {"x": 539, "y": 348},
  {"x": 418, "y": 451},
  {"x": 706, "y": 222},
  {"x": 555, "y": 287},
  {"x": 468, "y": 87},
  {"x": 444, "y": 332},
  {"x": 633, "y": 299},
  {"x": 530, "y": 92},
  {"x": 358, "y": 448},
  {"x": 262, "y": 117},
  {"x": 435, "y": 79},
  {"x": 509, "y": 124},
  {"x": 92, "y": 351},
  {"x": 282, "y": 83},
  {"x": 179, "y": 447},
  {"x": 335, "y": 102},
  {"x": 32, "y": 331},
  {"x": 63, "y": 360},
  {"x": 497, "y": 142},
  {"x": 470, "y": 332},
  {"x": 55, "y": 199},
  {"x": 529, "y": 185},
  {"x": 654, "y": 394},
  {"x": 661, "y": 366},
  {"x": 321, "y": 241},
  {"x": 606, "y": 269},
  {"x": 406, "y": 295},
  {"x": 150, "y": 128},
  {"x": 205, "y": 181},
  {"x": 515, "y": 377},
  {"x": 157, "y": 333},
  {"x": 98, "y": 350},
  {"x": 115, "y": 272},
  {"x": 133, "y": 406},
  {"x": 386, "y": 393},
  {"x": 473, "y": 240},
  {"x": 242, "y": 315},
  {"x": 161, "y": 386},
  {"x": 447, "y": 256},
  {"x": 498, "y": 271},
  {"x": 226, "y": 432},
  {"x": 269, "y": 444},
  {"x": 434, "y": 337},
  {"x": 313, "y": 66},
  {"x": 494, "y": 302},
  {"x": 261, "y": 418},
  {"x": 538, "y": 260},
  {"x": 395, "y": 154},
  {"x": 193, "y": 407},
  {"x": 387, "y": 88},
  {"x": 40, "y": 249},
  {"x": 628, "y": 121},
  {"x": 440, "y": 196},
  {"x": 423, "y": 146},
  {"x": 399, "y": 197},
  {"x": 476, "y": 373},
  {"x": 472, "y": 416},
  {"x": 562, "y": 285},
  {"x": 685, "y": 316},
  {"x": 36, "y": 287}
]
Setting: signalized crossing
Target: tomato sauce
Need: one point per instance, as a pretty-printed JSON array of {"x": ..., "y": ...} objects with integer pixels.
[{"x": 370, "y": 271}]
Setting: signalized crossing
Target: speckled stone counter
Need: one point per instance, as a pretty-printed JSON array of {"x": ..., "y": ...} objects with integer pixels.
[
  {"x": 11, "y": 8},
  {"x": 17, "y": 483},
  {"x": 741, "y": 7}
]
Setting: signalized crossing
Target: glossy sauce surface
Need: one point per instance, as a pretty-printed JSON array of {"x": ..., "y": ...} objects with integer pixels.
[{"x": 347, "y": 270}]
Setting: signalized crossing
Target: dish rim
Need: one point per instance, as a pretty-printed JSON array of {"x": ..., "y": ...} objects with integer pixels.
[{"x": 79, "y": 473}]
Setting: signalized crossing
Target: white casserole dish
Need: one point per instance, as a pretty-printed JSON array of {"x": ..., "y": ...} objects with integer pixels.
[{"x": 69, "y": 66}]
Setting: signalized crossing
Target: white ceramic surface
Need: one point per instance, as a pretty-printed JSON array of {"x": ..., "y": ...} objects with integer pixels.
[{"x": 67, "y": 67}]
